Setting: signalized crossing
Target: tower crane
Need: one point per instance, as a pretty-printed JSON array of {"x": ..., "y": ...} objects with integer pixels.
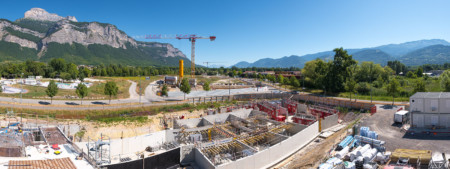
[{"x": 192, "y": 38}]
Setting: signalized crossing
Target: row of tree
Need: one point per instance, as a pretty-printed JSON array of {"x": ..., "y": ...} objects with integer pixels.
[{"x": 110, "y": 89}]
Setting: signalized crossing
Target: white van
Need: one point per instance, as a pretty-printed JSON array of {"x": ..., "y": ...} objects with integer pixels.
[{"x": 401, "y": 116}]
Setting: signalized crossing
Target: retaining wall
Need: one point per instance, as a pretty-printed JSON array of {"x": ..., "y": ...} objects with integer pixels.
[
  {"x": 274, "y": 154},
  {"x": 164, "y": 160},
  {"x": 330, "y": 121}
]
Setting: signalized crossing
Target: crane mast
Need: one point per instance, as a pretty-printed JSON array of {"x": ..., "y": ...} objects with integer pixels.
[{"x": 191, "y": 38}]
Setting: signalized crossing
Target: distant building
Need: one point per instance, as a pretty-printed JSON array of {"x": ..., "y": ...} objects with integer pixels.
[
  {"x": 430, "y": 109},
  {"x": 170, "y": 80},
  {"x": 434, "y": 73},
  {"x": 249, "y": 72},
  {"x": 289, "y": 74},
  {"x": 268, "y": 73}
]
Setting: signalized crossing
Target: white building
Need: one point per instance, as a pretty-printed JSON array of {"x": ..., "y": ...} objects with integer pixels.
[{"x": 430, "y": 109}]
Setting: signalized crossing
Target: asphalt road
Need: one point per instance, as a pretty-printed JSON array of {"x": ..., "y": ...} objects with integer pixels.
[{"x": 383, "y": 123}]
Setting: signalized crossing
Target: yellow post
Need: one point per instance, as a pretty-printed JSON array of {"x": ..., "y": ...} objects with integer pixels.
[
  {"x": 320, "y": 124},
  {"x": 209, "y": 134},
  {"x": 181, "y": 71}
]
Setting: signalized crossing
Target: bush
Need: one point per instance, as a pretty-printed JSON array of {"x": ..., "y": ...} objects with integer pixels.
[{"x": 363, "y": 88}]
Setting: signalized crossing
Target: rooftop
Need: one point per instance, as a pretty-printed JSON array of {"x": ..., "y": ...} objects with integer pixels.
[{"x": 430, "y": 95}]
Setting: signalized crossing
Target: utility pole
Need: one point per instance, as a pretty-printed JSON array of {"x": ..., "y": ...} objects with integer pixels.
[
  {"x": 21, "y": 87},
  {"x": 229, "y": 87},
  {"x": 303, "y": 83}
]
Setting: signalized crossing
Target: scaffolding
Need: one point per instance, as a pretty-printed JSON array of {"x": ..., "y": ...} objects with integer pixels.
[{"x": 100, "y": 150}]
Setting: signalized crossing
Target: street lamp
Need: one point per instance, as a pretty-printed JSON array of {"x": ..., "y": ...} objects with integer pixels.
[
  {"x": 21, "y": 87},
  {"x": 140, "y": 89}
]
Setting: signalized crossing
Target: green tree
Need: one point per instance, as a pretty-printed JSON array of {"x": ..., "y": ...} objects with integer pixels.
[
  {"x": 164, "y": 90},
  {"x": 58, "y": 64},
  {"x": 350, "y": 86},
  {"x": 82, "y": 91},
  {"x": 445, "y": 81},
  {"x": 111, "y": 89},
  {"x": 419, "y": 86},
  {"x": 185, "y": 87},
  {"x": 335, "y": 78},
  {"x": 72, "y": 70},
  {"x": 52, "y": 90},
  {"x": 396, "y": 66},
  {"x": 410, "y": 74},
  {"x": 294, "y": 82},
  {"x": 419, "y": 72},
  {"x": 65, "y": 76},
  {"x": 393, "y": 88},
  {"x": 206, "y": 86},
  {"x": 280, "y": 79}
]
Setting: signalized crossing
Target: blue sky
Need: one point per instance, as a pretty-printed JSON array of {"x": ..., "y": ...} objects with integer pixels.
[{"x": 251, "y": 30}]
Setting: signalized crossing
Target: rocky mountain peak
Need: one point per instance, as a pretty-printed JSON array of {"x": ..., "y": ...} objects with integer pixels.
[{"x": 41, "y": 14}]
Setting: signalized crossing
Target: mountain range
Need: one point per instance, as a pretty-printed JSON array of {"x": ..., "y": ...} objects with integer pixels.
[
  {"x": 42, "y": 36},
  {"x": 432, "y": 51}
]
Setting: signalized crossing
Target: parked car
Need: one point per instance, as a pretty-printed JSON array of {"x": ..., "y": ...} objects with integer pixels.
[{"x": 295, "y": 92}]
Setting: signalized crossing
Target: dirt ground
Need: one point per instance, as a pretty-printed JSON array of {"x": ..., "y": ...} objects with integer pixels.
[
  {"x": 382, "y": 122},
  {"x": 93, "y": 130},
  {"x": 311, "y": 155}
]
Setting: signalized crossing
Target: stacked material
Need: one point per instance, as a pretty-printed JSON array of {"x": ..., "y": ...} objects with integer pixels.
[
  {"x": 369, "y": 155},
  {"x": 438, "y": 161},
  {"x": 382, "y": 158},
  {"x": 349, "y": 165},
  {"x": 367, "y": 140},
  {"x": 344, "y": 143},
  {"x": 325, "y": 166},
  {"x": 363, "y": 150},
  {"x": 365, "y": 131},
  {"x": 352, "y": 155},
  {"x": 331, "y": 163},
  {"x": 413, "y": 155},
  {"x": 343, "y": 152},
  {"x": 334, "y": 161}
]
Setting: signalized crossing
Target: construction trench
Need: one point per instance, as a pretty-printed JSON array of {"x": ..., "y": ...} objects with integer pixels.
[{"x": 247, "y": 135}]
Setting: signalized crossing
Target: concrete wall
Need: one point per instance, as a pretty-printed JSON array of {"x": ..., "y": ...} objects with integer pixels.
[
  {"x": 330, "y": 121},
  {"x": 276, "y": 153},
  {"x": 302, "y": 108},
  {"x": 134, "y": 144},
  {"x": 201, "y": 160},
  {"x": 187, "y": 154},
  {"x": 190, "y": 123}
]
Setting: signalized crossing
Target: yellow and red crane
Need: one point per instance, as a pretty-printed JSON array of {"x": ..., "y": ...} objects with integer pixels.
[{"x": 192, "y": 37}]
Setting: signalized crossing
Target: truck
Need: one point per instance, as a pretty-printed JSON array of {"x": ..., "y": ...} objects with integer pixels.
[{"x": 401, "y": 116}]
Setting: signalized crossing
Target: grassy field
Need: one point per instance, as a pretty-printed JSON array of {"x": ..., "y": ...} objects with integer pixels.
[
  {"x": 144, "y": 82},
  {"x": 210, "y": 79},
  {"x": 95, "y": 91},
  {"x": 113, "y": 115},
  {"x": 380, "y": 94}
]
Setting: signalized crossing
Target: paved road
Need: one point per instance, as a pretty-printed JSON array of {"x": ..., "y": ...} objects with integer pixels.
[
  {"x": 383, "y": 123},
  {"x": 134, "y": 97}
]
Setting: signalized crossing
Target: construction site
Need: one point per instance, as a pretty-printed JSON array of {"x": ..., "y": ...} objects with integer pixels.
[{"x": 268, "y": 133}]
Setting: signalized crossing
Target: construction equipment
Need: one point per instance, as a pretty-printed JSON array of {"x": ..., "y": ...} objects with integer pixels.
[{"x": 191, "y": 37}]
